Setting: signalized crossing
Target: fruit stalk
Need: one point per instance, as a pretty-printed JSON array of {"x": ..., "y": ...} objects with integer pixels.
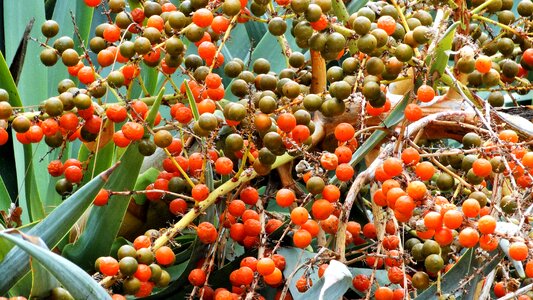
[{"x": 211, "y": 199}]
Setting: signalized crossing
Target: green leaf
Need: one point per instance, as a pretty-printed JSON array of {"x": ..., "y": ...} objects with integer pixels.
[
  {"x": 444, "y": 45},
  {"x": 104, "y": 222},
  {"x": 74, "y": 279},
  {"x": 96, "y": 162},
  {"x": 52, "y": 229},
  {"x": 466, "y": 266},
  {"x": 147, "y": 177},
  {"x": 155, "y": 108},
  {"x": 5, "y": 199},
  {"x": 354, "y": 6},
  {"x": 192, "y": 102},
  {"x": 32, "y": 172},
  {"x": 42, "y": 281},
  {"x": 394, "y": 117}
]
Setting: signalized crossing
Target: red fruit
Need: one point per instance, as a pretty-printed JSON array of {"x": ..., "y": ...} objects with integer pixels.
[
  {"x": 101, "y": 198},
  {"x": 108, "y": 266},
  {"x": 165, "y": 256},
  {"x": 207, "y": 233},
  {"x": 197, "y": 277},
  {"x": 73, "y": 174}
]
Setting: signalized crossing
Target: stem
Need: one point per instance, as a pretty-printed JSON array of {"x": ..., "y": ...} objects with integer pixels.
[
  {"x": 183, "y": 173},
  {"x": 211, "y": 199},
  {"x": 224, "y": 39},
  {"x": 503, "y": 26}
]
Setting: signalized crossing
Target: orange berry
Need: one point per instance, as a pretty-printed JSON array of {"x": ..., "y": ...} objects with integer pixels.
[
  {"x": 207, "y": 233},
  {"x": 331, "y": 193},
  {"x": 265, "y": 266},
  {"x": 393, "y": 166},
  {"x": 443, "y": 236},
  {"x": 413, "y": 112},
  {"x": 529, "y": 269},
  {"x": 202, "y": 17},
  {"x": 285, "y": 197},
  {"x": 468, "y": 237},
  {"x": 499, "y": 289},
  {"x": 483, "y": 64},
  {"x": 200, "y": 192},
  {"x": 274, "y": 278},
  {"x": 518, "y": 251},
  {"x": 344, "y": 172},
  {"x": 471, "y": 208},
  {"x": 312, "y": 227},
  {"x": 223, "y": 166},
  {"x": 299, "y": 215},
  {"x": 453, "y": 219},
  {"x": 165, "y": 256},
  {"x": 379, "y": 198},
  {"x": 425, "y": 93},
  {"x": 112, "y": 33},
  {"x": 482, "y": 167},
  {"x": 380, "y": 174},
  {"x": 133, "y": 131},
  {"x": 393, "y": 195},
  {"x": 101, "y": 198},
  {"x": 383, "y": 292},
  {"x": 322, "y": 209},
  {"x": 286, "y": 122},
  {"x": 329, "y": 161},
  {"x": 488, "y": 242},
  {"x": 108, "y": 266},
  {"x": 486, "y": 224},
  {"x": 344, "y": 154},
  {"x": 388, "y": 185},
  {"x": 344, "y": 132},
  {"x": 416, "y": 190},
  {"x": 197, "y": 277},
  {"x": 508, "y": 136},
  {"x": 433, "y": 220},
  {"x": 387, "y": 23},
  {"x": 424, "y": 170},
  {"x": 302, "y": 238},
  {"x": 410, "y": 156},
  {"x": 405, "y": 205}
]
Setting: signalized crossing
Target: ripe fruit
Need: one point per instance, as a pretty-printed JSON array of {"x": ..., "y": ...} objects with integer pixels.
[
  {"x": 197, "y": 277},
  {"x": 302, "y": 238},
  {"x": 361, "y": 282},
  {"x": 425, "y": 93},
  {"x": 299, "y": 215},
  {"x": 265, "y": 266},
  {"x": 518, "y": 251},
  {"x": 453, "y": 219},
  {"x": 108, "y": 266},
  {"x": 482, "y": 167},
  {"x": 471, "y": 208},
  {"x": 285, "y": 197},
  {"x": 322, "y": 209},
  {"x": 344, "y": 132},
  {"x": 413, "y": 112},
  {"x": 392, "y": 166},
  {"x": 468, "y": 237},
  {"x": 387, "y": 23},
  {"x": 165, "y": 256},
  {"x": 207, "y": 233},
  {"x": 483, "y": 64},
  {"x": 486, "y": 224}
]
